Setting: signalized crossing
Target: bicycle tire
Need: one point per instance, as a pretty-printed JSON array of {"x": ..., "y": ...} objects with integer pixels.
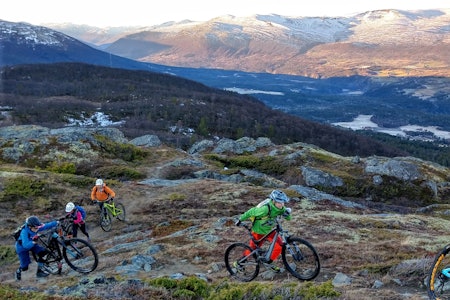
[
  {"x": 80, "y": 255},
  {"x": 248, "y": 267},
  {"x": 105, "y": 220},
  {"x": 67, "y": 227},
  {"x": 300, "y": 258},
  {"x": 121, "y": 213},
  {"x": 52, "y": 262},
  {"x": 438, "y": 284}
]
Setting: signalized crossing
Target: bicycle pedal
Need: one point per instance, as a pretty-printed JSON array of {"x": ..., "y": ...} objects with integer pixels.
[{"x": 238, "y": 267}]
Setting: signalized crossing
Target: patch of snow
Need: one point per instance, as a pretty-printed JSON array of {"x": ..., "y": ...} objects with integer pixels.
[
  {"x": 251, "y": 91},
  {"x": 365, "y": 122},
  {"x": 360, "y": 122},
  {"x": 97, "y": 119}
]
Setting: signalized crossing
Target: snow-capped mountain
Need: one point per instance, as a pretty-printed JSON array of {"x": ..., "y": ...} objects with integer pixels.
[
  {"x": 376, "y": 43},
  {"x": 23, "y": 43},
  {"x": 405, "y": 104}
]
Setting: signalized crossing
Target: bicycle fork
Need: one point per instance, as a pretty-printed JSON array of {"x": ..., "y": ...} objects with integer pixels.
[
  {"x": 73, "y": 250},
  {"x": 294, "y": 250}
]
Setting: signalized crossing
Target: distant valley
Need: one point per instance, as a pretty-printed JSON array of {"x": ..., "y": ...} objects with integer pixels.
[
  {"x": 409, "y": 106},
  {"x": 340, "y": 68}
]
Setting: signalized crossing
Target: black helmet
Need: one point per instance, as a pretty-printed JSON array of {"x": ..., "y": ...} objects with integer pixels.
[{"x": 33, "y": 221}]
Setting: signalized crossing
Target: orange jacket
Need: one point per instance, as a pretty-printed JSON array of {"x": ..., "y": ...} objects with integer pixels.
[{"x": 102, "y": 194}]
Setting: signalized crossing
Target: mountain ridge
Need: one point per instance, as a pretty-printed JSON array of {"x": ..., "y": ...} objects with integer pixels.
[
  {"x": 417, "y": 106},
  {"x": 375, "y": 43}
]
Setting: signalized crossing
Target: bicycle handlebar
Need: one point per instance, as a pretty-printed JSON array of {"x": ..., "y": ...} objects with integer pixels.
[
  {"x": 246, "y": 226},
  {"x": 104, "y": 201},
  {"x": 277, "y": 226}
]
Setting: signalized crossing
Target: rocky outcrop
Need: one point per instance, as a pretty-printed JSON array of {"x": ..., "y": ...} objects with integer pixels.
[
  {"x": 17, "y": 141},
  {"x": 147, "y": 141},
  {"x": 397, "y": 167},
  {"x": 314, "y": 177},
  {"x": 244, "y": 144},
  {"x": 77, "y": 144}
]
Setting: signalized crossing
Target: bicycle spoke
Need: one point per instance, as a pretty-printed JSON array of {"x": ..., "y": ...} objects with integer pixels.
[
  {"x": 120, "y": 211},
  {"x": 239, "y": 263},
  {"x": 105, "y": 220},
  {"x": 301, "y": 259},
  {"x": 80, "y": 255},
  {"x": 52, "y": 263}
]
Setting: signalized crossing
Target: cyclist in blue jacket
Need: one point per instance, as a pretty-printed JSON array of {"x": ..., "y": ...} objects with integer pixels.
[{"x": 28, "y": 242}]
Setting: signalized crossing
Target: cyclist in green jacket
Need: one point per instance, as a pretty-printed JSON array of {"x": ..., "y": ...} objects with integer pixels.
[{"x": 264, "y": 219}]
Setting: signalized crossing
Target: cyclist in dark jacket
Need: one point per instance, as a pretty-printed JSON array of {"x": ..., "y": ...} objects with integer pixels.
[{"x": 28, "y": 242}]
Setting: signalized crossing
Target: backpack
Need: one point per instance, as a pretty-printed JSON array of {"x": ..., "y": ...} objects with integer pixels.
[
  {"x": 82, "y": 211},
  {"x": 261, "y": 204},
  {"x": 16, "y": 233}
]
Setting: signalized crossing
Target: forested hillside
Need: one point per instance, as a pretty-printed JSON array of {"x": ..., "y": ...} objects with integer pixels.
[{"x": 180, "y": 111}]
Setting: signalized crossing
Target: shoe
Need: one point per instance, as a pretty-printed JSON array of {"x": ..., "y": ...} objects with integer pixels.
[
  {"x": 272, "y": 267},
  {"x": 18, "y": 274},
  {"x": 275, "y": 269},
  {"x": 238, "y": 267},
  {"x": 40, "y": 273}
]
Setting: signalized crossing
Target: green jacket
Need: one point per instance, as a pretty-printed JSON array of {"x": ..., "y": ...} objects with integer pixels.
[{"x": 264, "y": 223}]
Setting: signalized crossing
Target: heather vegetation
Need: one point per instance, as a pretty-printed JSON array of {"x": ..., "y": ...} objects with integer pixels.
[
  {"x": 382, "y": 237},
  {"x": 190, "y": 221}
]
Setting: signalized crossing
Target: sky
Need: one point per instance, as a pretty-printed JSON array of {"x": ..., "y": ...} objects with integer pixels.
[{"x": 111, "y": 13}]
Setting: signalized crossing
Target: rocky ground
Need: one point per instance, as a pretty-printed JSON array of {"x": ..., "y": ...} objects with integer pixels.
[
  {"x": 181, "y": 227},
  {"x": 352, "y": 242}
]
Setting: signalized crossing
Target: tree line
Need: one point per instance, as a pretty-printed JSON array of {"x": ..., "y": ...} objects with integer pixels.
[{"x": 165, "y": 105}]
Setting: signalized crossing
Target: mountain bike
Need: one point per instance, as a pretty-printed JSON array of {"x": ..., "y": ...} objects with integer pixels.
[
  {"x": 299, "y": 256},
  {"x": 438, "y": 280},
  {"x": 109, "y": 211},
  {"x": 79, "y": 254}
]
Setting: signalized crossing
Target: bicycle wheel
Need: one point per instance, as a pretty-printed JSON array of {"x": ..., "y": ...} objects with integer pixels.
[
  {"x": 300, "y": 259},
  {"x": 52, "y": 262},
  {"x": 67, "y": 227},
  {"x": 438, "y": 280},
  {"x": 105, "y": 220},
  {"x": 120, "y": 211},
  {"x": 80, "y": 255},
  {"x": 243, "y": 267}
]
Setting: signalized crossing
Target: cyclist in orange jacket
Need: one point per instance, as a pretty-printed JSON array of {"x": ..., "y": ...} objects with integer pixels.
[{"x": 100, "y": 192}]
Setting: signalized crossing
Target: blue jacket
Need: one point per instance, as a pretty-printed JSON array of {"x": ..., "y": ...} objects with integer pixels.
[{"x": 25, "y": 241}]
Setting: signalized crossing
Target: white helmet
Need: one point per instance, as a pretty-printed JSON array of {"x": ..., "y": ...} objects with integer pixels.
[
  {"x": 69, "y": 207},
  {"x": 279, "y": 196},
  {"x": 99, "y": 182}
]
